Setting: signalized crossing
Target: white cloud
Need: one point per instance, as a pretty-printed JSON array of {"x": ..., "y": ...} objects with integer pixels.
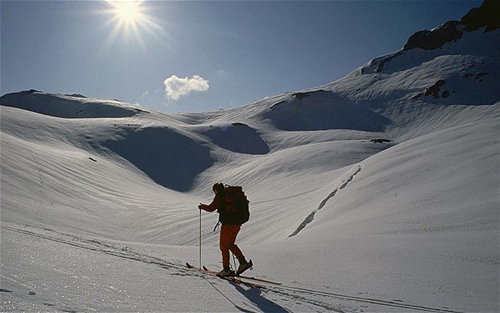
[{"x": 176, "y": 87}]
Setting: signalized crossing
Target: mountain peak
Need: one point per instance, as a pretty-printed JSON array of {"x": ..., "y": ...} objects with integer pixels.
[{"x": 487, "y": 15}]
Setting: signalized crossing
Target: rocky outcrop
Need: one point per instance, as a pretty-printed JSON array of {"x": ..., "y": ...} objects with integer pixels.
[
  {"x": 436, "y": 38},
  {"x": 487, "y": 16},
  {"x": 434, "y": 90}
]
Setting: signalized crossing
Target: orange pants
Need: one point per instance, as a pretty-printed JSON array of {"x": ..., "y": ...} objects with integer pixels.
[{"x": 227, "y": 241}]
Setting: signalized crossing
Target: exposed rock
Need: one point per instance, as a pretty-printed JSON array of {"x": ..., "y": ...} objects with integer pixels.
[
  {"x": 301, "y": 95},
  {"x": 380, "y": 140},
  {"x": 434, "y": 89},
  {"x": 487, "y": 15},
  {"x": 436, "y": 38}
]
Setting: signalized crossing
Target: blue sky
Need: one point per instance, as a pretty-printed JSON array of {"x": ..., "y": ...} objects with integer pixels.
[{"x": 194, "y": 56}]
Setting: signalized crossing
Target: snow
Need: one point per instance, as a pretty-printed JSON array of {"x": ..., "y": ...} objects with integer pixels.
[{"x": 99, "y": 197}]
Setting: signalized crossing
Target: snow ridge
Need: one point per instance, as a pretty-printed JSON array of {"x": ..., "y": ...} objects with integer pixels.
[{"x": 69, "y": 106}]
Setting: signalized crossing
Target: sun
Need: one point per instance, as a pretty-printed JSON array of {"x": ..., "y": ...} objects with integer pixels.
[
  {"x": 127, "y": 12},
  {"x": 132, "y": 23},
  {"x": 130, "y": 19}
]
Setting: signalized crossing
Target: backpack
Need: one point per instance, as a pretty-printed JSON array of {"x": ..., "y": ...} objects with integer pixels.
[{"x": 234, "y": 208}]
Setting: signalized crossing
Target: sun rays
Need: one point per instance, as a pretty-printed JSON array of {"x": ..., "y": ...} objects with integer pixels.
[{"x": 130, "y": 20}]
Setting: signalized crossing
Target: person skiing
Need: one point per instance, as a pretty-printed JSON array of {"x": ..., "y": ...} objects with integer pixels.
[{"x": 228, "y": 231}]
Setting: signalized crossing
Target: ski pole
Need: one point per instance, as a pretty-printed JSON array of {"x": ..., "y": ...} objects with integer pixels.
[{"x": 200, "y": 238}]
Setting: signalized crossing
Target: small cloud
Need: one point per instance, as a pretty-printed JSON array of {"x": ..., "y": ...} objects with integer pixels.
[{"x": 176, "y": 87}]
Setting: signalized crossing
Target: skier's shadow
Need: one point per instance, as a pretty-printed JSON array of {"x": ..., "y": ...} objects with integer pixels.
[{"x": 255, "y": 296}]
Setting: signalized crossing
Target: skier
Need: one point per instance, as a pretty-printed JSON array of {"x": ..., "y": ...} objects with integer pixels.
[{"x": 228, "y": 231}]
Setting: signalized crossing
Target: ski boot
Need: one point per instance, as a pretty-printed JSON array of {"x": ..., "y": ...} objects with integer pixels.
[{"x": 243, "y": 267}]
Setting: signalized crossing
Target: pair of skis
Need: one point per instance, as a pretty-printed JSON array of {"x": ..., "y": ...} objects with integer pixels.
[{"x": 235, "y": 279}]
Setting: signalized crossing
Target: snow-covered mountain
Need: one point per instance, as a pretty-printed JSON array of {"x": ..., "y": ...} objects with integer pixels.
[{"x": 377, "y": 192}]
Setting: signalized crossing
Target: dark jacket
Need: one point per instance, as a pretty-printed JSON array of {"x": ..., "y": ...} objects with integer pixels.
[{"x": 224, "y": 206}]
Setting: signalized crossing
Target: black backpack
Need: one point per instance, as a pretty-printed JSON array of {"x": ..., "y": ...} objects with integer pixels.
[{"x": 234, "y": 206}]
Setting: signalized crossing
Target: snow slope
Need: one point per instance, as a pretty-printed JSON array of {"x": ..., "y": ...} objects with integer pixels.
[{"x": 377, "y": 192}]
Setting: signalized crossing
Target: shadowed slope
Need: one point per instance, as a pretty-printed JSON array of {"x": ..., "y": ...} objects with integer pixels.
[{"x": 166, "y": 156}]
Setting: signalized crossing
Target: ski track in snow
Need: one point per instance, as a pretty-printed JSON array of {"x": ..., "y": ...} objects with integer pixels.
[
  {"x": 268, "y": 298},
  {"x": 310, "y": 217}
]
